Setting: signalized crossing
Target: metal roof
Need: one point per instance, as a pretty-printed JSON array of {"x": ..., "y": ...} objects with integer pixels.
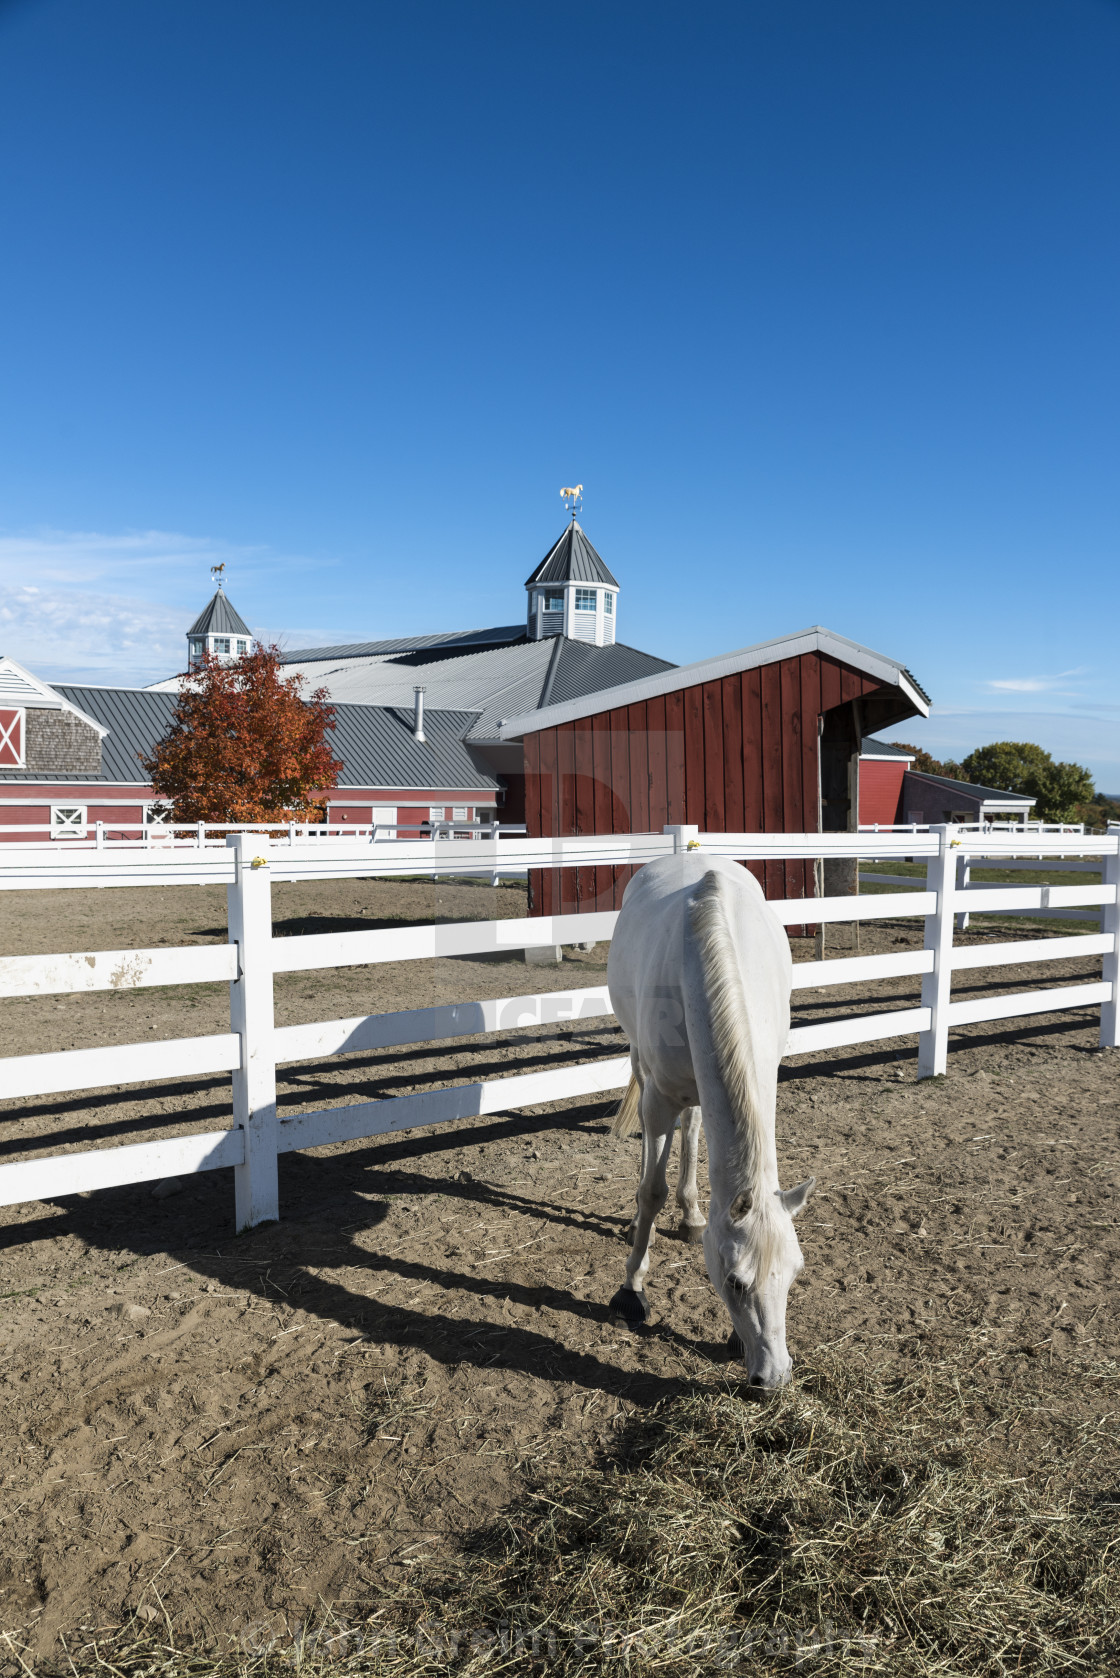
[
  {"x": 884, "y": 748},
  {"x": 494, "y": 683},
  {"x": 572, "y": 559},
  {"x": 972, "y": 789},
  {"x": 135, "y": 718},
  {"x": 377, "y": 748},
  {"x": 374, "y": 744},
  {"x": 426, "y": 645},
  {"x": 817, "y": 639},
  {"x": 219, "y": 618},
  {"x": 580, "y": 669}
]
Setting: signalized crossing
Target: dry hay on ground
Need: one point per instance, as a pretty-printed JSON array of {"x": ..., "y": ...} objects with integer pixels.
[
  {"x": 314, "y": 1423},
  {"x": 856, "y": 1522}
]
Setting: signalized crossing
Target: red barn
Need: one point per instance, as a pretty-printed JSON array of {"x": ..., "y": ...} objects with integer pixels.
[
  {"x": 764, "y": 740},
  {"x": 882, "y": 772}
]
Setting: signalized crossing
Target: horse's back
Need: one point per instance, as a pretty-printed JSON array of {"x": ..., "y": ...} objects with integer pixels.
[{"x": 654, "y": 961}]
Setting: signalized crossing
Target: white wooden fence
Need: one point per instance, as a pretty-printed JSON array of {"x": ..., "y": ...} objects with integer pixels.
[{"x": 254, "y": 1045}]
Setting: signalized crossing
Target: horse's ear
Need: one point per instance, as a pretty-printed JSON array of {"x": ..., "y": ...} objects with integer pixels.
[
  {"x": 794, "y": 1199},
  {"x": 740, "y": 1206}
]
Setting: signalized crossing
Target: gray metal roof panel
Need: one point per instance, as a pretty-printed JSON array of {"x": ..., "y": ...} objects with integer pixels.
[
  {"x": 219, "y": 618},
  {"x": 136, "y": 719},
  {"x": 374, "y": 743},
  {"x": 884, "y": 748},
  {"x": 376, "y": 747},
  {"x": 971, "y": 788},
  {"x": 402, "y": 645},
  {"x": 582, "y": 669},
  {"x": 571, "y": 559}
]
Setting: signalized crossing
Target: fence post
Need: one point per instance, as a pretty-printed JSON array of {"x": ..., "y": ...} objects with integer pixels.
[
  {"x": 941, "y": 876},
  {"x": 964, "y": 877},
  {"x": 1110, "y": 922},
  {"x": 682, "y": 837},
  {"x": 250, "y": 1008}
]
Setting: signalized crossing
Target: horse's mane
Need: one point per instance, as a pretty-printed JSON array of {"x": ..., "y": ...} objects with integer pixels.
[{"x": 731, "y": 1039}]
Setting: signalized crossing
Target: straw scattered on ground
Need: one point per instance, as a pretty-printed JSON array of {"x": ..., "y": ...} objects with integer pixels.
[{"x": 857, "y": 1522}]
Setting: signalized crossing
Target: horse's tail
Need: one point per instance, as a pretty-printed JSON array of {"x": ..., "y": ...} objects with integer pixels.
[
  {"x": 728, "y": 1016},
  {"x": 627, "y": 1121}
]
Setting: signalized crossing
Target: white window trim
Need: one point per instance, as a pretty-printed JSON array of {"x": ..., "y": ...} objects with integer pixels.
[
  {"x": 20, "y": 720},
  {"x": 61, "y": 830}
]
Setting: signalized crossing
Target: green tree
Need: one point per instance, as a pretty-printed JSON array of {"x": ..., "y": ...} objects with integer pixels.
[
  {"x": 930, "y": 765},
  {"x": 1058, "y": 789}
]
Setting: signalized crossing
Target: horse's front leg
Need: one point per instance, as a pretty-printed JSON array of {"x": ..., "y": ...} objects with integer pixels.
[
  {"x": 692, "y": 1219},
  {"x": 659, "y": 1119}
]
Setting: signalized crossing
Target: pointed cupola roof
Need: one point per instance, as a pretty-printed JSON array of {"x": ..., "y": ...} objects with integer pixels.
[
  {"x": 219, "y": 618},
  {"x": 571, "y": 560}
]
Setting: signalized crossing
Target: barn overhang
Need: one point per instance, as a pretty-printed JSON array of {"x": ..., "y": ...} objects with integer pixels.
[{"x": 897, "y": 697}]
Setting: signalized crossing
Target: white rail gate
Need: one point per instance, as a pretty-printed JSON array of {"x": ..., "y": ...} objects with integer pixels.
[{"x": 254, "y": 1045}]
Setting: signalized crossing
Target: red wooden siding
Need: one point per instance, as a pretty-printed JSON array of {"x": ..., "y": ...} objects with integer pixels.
[
  {"x": 735, "y": 755},
  {"x": 880, "y": 790}
]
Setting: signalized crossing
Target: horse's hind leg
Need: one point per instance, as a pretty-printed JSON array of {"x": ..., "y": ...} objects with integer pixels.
[
  {"x": 692, "y": 1219},
  {"x": 659, "y": 1119}
]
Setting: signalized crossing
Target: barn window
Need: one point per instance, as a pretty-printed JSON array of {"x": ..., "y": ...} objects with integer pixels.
[
  {"x": 554, "y": 602},
  {"x": 608, "y": 602},
  {"x": 68, "y": 821},
  {"x": 221, "y": 643},
  {"x": 585, "y": 599},
  {"x": 243, "y": 646}
]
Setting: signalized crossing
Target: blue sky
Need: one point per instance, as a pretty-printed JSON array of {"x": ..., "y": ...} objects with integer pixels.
[{"x": 817, "y": 299}]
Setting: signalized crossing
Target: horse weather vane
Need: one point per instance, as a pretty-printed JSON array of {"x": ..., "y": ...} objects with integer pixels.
[
  {"x": 218, "y": 574},
  {"x": 573, "y": 499}
]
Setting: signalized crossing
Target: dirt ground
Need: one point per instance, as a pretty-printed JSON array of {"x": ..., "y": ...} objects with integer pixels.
[{"x": 232, "y": 1431}]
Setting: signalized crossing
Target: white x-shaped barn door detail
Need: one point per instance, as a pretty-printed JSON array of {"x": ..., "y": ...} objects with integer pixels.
[{"x": 11, "y": 738}]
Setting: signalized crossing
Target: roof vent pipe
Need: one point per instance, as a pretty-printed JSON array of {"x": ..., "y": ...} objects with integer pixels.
[{"x": 418, "y": 715}]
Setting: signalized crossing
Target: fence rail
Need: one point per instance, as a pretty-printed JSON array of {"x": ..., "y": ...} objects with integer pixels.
[{"x": 254, "y": 1046}]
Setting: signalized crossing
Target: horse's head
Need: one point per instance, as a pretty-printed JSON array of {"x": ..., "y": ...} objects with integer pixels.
[{"x": 753, "y": 1255}]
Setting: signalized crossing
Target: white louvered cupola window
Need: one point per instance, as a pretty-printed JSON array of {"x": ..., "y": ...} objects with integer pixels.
[
  {"x": 552, "y": 613},
  {"x": 583, "y": 626}
]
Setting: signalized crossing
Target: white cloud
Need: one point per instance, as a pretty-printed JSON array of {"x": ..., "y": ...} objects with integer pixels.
[
  {"x": 89, "y": 606},
  {"x": 1033, "y": 684}
]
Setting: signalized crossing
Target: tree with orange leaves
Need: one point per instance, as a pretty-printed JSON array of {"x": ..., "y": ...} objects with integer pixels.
[{"x": 245, "y": 745}]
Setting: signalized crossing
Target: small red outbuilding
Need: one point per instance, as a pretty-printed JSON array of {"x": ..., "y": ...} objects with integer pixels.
[{"x": 764, "y": 740}]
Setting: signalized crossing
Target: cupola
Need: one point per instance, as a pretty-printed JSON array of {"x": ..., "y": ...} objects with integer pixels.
[
  {"x": 218, "y": 629},
  {"x": 571, "y": 592}
]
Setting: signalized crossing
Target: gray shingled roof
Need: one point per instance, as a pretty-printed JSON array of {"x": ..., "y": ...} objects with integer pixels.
[
  {"x": 571, "y": 560},
  {"x": 219, "y": 618}
]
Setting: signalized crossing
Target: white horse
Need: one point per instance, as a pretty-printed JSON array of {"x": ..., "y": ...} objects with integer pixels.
[{"x": 699, "y": 976}]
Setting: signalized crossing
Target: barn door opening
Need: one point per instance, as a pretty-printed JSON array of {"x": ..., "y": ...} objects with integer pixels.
[{"x": 839, "y": 737}]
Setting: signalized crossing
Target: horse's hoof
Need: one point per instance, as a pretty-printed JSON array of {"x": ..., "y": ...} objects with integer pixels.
[
  {"x": 693, "y": 1234},
  {"x": 630, "y": 1308},
  {"x": 734, "y": 1346}
]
